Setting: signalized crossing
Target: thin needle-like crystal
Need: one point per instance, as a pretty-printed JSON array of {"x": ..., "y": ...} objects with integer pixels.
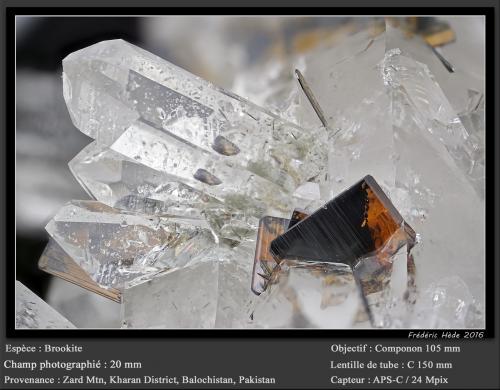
[
  {"x": 310, "y": 96},
  {"x": 443, "y": 60}
]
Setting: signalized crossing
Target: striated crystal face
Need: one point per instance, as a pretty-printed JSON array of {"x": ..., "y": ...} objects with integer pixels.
[
  {"x": 114, "y": 247},
  {"x": 33, "y": 313},
  {"x": 168, "y": 120},
  {"x": 304, "y": 294}
]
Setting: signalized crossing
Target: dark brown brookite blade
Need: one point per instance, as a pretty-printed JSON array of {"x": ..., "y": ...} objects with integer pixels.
[
  {"x": 358, "y": 222},
  {"x": 297, "y": 216},
  {"x": 264, "y": 263}
]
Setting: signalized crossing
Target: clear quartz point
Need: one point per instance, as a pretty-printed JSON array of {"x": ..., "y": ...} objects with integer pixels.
[
  {"x": 34, "y": 313},
  {"x": 114, "y": 247},
  {"x": 152, "y": 111},
  {"x": 127, "y": 184}
]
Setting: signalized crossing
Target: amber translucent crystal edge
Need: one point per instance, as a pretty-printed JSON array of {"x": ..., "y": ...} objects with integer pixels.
[{"x": 75, "y": 274}]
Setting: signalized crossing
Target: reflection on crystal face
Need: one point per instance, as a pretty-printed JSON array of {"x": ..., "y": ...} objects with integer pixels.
[
  {"x": 34, "y": 313},
  {"x": 432, "y": 112},
  {"x": 113, "y": 247},
  {"x": 309, "y": 295},
  {"x": 220, "y": 298},
  {"x": 115, "y": 77},
  {"x": 127, "y": 184}
]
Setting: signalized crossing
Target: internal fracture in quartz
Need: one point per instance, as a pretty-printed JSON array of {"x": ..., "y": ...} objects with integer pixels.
[
  {"x": 33, "y": 313},
  {"x": 192, "y": 185},
  {"x": 114, "y": 247},
  {"x": 157, "y": 119},
  {"x": 211, "y": 293}
]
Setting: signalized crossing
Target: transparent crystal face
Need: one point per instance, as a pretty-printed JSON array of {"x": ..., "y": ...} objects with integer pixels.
[
  {"x": 164, "y": 134},
  {"x": 114, "y": 247},
  {"x": 113, "y": 85},
  {"x": 221, "y": 298},
  {"x": 305, "y": 294},
  {"x": 348, "y": 84},
  {"x": 432, "y": 112},
  {"x": 33, "y": 313}
]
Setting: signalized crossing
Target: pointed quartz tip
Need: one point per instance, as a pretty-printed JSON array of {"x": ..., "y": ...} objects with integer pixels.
[{"x": 98, "y": 45}]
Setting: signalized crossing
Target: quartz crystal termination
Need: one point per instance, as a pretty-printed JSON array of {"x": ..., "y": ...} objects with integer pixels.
[
  {"x": 124, "y": 182},
  {"x": 171, "y": 121},
  {"x": 33, "y": 313},
  {"x": 114, "y": 247}
]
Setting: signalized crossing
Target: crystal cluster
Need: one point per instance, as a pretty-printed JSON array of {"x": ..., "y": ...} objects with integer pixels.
[
  {"x": 181, "y": 172},
  {"x": 165, "y": 135}
]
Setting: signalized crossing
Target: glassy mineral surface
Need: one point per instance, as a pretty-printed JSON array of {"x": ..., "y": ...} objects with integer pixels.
[
  {"x": 212, "y": 292},
  {"x": 34, "y": 313},
  {"x": 304, "y": 294},
  {"x": 167, "y": 120},
  {"x": 114, "y": 247}
]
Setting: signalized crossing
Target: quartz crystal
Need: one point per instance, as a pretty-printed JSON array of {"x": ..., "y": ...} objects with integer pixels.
[
  {"x": 447, "y": 303},
  {"x": 182, "y": 171},
  {"x": 114, "y": 247},
  {"x": 163, "y": 121},
  {"x": 305, "y": 294},
  {"x": 211, "y": 292},
  {"x": 33, "y": 313}
]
